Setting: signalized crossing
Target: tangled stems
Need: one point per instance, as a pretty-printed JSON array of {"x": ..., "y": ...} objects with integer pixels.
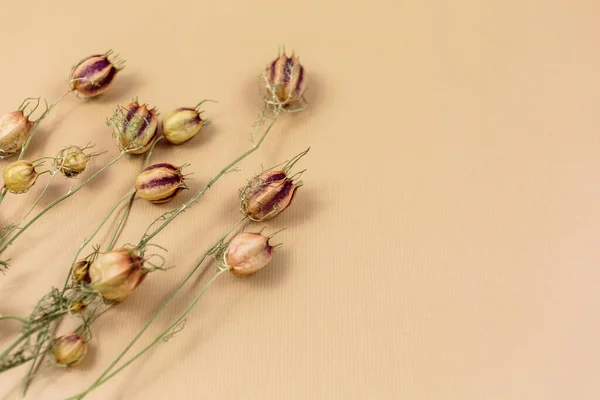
[{"x": 105, "y": 376}]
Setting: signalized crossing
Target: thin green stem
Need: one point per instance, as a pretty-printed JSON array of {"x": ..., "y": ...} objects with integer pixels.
[
  {"x": 3, "y": 194},
  {"x": 122, "y": 220},
  {"x": 22, "y": 320},
  {"x": 70, "y": 193},
  {"x": 164, "y": 333}
]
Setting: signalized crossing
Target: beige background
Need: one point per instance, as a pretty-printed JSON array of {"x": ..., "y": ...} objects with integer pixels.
[{"x": 445, "y": 245}]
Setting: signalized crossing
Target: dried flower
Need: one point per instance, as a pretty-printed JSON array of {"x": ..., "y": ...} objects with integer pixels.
[
  {"x": 19, "y": 176},
  {"x": 15, "y": 128},
  {"x": 80, "y": 271},
  {"x": 247, "y": 253},
  {"x": 134, "y": 127},
  {"x": 160, "y": 183},
  {"x": 68, "y": 350},
  {"x": 77, "y": 307},
  {"x": 71, "y": 161},
  {"x": 116, "y": 274},
  {"x": 182, "y": 124},
  {"x": 285, "y": 82},
  {"x": 94, "y": 74},
  {"x": 268, "y": 194}
]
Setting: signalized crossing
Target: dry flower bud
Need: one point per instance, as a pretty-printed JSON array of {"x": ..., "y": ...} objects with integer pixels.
[
  {"x": 77, "y": 307},
  {"x": 68, "y": 350},
  {"x": 80, "y": 271},
  {"x": 160, "y": 183},
  {"x": 247, "y": 253},
  {"x": 267, "y": 195},
  {"x": 134, "y": 127},
  {"x": 182, "y": 124},
  {"x": 116, "y": 274},
  {"x": 19, "y": 176},
  {"x": 94, "y": 74},
  {"x": 284, "y": 81},
  {"x": 71, "y": 161},
  {"x": 15, "y": 129}
]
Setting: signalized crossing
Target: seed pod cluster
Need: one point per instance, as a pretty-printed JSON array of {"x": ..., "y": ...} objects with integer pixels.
[
  {"x": 268, "y": 194},
  {"x": 68, "y": 350},
  {"x": 93, "y": 75},
  {"x": 134, "y": 127},
  {"x": 160, "y": 183},
  {"x": 71, "y": 161},
  {"x": 284, "y": 81},
  {"x": 116, "y": 274},
  {"x": 19, "y": 176},
  {"x": 247, "y": 253},
  {"x": 15, "y": 129}
]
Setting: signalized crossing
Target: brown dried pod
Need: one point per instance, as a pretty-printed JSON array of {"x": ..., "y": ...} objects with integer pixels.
[
  {"x": 116, "y": 274},
  {"x": 80, "y": 271},
  {"x": 19, "y": 176},
  {"x": 71, "y": 161},
  {"x": 284, "y": 81},
  {"x": 77, "y": 307},
  {"x": 91, "y": 76},
  {"x": 68, "y": 350},
  {"x": 134, "y": 127},
  {"x": 247, "y": 253},
  {"x": 268, "y": 194},
  {"x": 160, "y": 183},
  {"x": 15, "y": 129}
]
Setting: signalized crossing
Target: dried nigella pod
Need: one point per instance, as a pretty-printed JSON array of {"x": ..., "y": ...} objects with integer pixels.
[
  {"x": 71, "y": 161},
  {"x": 247, "y": 253},
  {"x": 80, "y": 271},
  {"x": 19, "y": 176},
  {"x": 116, "y": 274},
  {"x": 15, "y": 128},
  {"x": 284, "y": 83},
  {"x": 268, "y": 194},
  {"x": 134, "y": 127},
  {"x": 182, "y": 124},
  {"x": 160, "y": 183},
  {"x": 68, "y": 350},
  {"x": 94, "y": 74}
]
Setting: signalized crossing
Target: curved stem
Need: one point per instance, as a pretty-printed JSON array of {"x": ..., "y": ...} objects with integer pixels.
[
  {"x": 22, "y": 320},
  {"x": 121, "y": 223},
  {"x": 70, "y": 193}
]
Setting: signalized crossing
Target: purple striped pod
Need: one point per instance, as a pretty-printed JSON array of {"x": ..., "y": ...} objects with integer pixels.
[
  {"x": 267, "y": 195},
  {"x": 181, "y": 124},
  {"x": 160, "y": 183},
  {"x": 15, "y": 129},
  {"x": 247, "y": 253},
  {"x": 134, "y": 127},
  {"x": 284, "y": 81},
  {"x": 91, "y": 76}
]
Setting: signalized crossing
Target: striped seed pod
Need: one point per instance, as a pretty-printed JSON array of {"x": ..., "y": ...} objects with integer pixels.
[
  {"x": 182, "y": 124},
  {"x": 160, "y": 183},
  {"x": 19, "y": 176},
  {"x": 71, "y": 161},
  {"x": 68, "y": 350},
  {"x": 134, "y": 127},
  {"x": 284, "y": 81},
  {"x": 267, "y": 195},
  {"x": 91, "y": 76},
  {"x": 116, "y": 274},
  {"x": 247, "y": 253},
  {"x": 15, "y": 129}
]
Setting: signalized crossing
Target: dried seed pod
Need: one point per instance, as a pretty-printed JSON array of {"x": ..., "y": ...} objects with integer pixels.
[
  {"x": 247, "y": 253},
  {"x": 268, "y": 194},
  {"x": 182, "y": 124},
  {"x": 284, "y": 82},
  {"x": 71, "y": 161},
  {"x": 160, "y": 183},
  {"x": 134, "y": 127},
  {"x": 15, "y": 129},
  {"x": 116, "y": 274},
  {"x": 80, "y": 271},
  {"x": 94, "y": 74},
  {"x": 77, "y": 307},
  {"x": 19, "y": 176},
  {"x": 68, "y": 350}
]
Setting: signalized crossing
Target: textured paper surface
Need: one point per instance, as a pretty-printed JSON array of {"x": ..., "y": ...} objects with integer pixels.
[{"x": 445, "y": 245}]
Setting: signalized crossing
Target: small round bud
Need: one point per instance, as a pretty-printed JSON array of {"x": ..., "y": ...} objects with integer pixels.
[
  {"x": 77, "y": 307},
  {"x": 71, "y": 161},
  {"x": 68, "y": 350},
  {"x": 94, "y": 74},
  {"x": 181, "y": 125},
  {"x": 247, "y": 253},
  {"x": 267, "y": 195},
  {"x": 160, "y": 183},
  {"x": 15, "y": 129},
  {"x": 116, "y": 274},
  {"x": 134, "y": 127},
  {"x": 80, "y": 271},
  {"x": 284, "y": 81},
  {"x": 19, "y": 176}
]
